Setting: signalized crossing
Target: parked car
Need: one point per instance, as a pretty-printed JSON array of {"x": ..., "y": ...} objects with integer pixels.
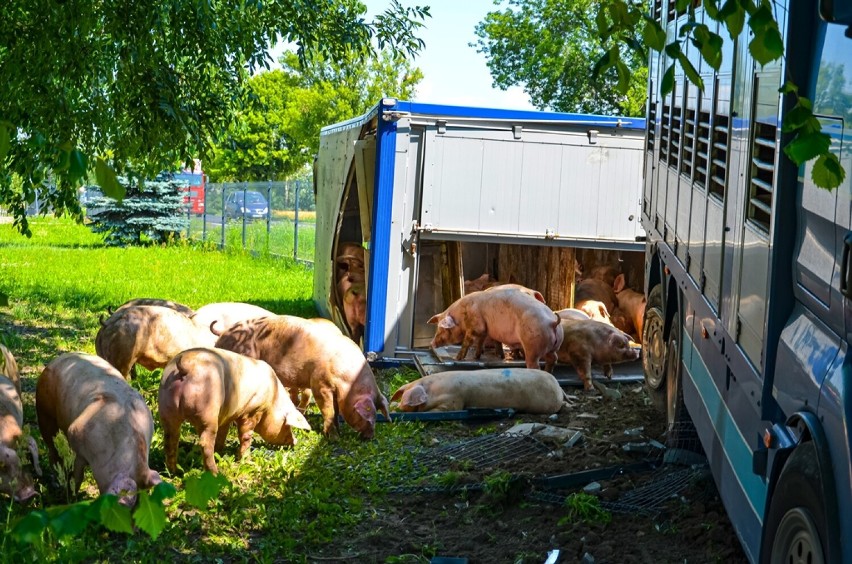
[{"x": 251, "y": 204}]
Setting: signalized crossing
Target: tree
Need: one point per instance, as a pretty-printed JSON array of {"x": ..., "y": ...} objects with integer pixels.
[
  {"x": 278, "y": 134},
  {"x": 103, "y": 85},
  {"x": 547, "y": 46},
  {"x": 153, "y": 209}
]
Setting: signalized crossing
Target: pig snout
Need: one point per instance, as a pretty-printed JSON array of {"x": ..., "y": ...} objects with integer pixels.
[
  {"x": 364, "y": 421},
  {"x": 125, "y": 488}
]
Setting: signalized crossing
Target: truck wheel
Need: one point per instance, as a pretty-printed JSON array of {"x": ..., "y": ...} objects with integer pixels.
[
  {"x": 674, "y": 409},
  {"x": 654, "y": 348},
  {"x": 795, "y": 523}
]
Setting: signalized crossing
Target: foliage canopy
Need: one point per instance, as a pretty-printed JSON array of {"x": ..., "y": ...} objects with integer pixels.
[{"x": 98, "y": 86}]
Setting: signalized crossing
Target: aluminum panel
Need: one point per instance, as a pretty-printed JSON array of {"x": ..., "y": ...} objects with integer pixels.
[
  {"x": 753, "y": 289},
  {"x": 713, "y": 251},
  {"x": 618, "y": 204},
  {"x": 696, "y": 232}
]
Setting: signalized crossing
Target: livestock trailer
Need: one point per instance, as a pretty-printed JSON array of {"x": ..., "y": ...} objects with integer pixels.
[{"x": 438, "y": 195}]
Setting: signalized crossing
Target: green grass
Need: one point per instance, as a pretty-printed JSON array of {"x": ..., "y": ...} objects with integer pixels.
[
  {"x": 280, "y": 240},
  {"x": 282, "y": 504}
]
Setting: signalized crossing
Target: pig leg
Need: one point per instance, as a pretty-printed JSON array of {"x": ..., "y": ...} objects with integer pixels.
[
  {"x": 464, "y": 348},
  {"x": 79, "y": 470},
  {"x": 326, "y": 404},
  {"x": 584, "y": 370},
  {"x": 49, "y": 428},
  {"x": 221, "y": 437},
  {"x": 607, "y": 370},
  {"x": 549, "y": 361},
  {"x": 171, "y": 434},
  {"x": 245, "y": 427},
  {"x": 304, "y": 399},
  {"x": 207, "y": 438}
]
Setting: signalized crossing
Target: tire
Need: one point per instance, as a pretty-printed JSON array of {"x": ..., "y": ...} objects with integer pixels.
[
  {"x": 654, "y": 348},
  {"x": 795, "y": 529}
]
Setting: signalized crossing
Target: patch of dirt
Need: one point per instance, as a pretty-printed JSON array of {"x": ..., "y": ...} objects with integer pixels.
[{"x": 507, "y": 511}]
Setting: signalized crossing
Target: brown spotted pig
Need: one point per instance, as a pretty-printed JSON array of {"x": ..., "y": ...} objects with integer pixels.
[
  {"x": 314, "y": 354},
  {"x": 148, "y": 335},
  {"x": 521, "y": 389},
  {"x": 107, "y": 423},
  {"x": 225, "y": 314},
  {"x": 589, "y": 342},
  {"x": 213, "y": 388}
]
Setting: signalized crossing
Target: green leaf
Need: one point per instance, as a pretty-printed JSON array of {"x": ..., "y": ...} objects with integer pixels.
[
  {"x": 113, "y": 515},
  {"x": 766, "y": 46},
  {"x": 807, "y": 146},
  {"x": 602, "y": 22},
  {"x": 623, "y": 72},
  {"x": 712, "y": 9},
  {"x": 690, "y": 71},
  {"x": 72, "y": 521},
  {"x": 162, "y": 491},
  {"x": 150, "y": 516},
  {"x": 201, "y": 489},
  {"x": 682, "y": 5},
  {"x": 761, "y": 19},
  {"x": 604, "y": 63},
  {"x": 797, "y": 117},
  {"x": 5, "y": 142},
  {"x": 789, "y": 88},
  {"x": 827, "y": 172},
  {"x": 30, "y": 528},
  {"x": 77, "y": 166},
  {"x": 654, "y": 35},
  {"x": 108, "y": 181},
  {"x": 673, "y": 50},
  {"x": 734, "y": 17},
  {"x": 710, "y": 46},
  {"x": 618, "y": 12},
  {"x": 667, "y": 84}
]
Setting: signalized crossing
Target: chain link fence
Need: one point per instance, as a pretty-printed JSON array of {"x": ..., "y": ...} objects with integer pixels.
[{"x": 266, "y": 218}]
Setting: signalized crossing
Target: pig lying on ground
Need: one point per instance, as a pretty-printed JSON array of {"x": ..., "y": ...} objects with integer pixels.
[
  {"x": 590, "y": 342},
  {"x": 107, "y": 423},
  {"x": 511, "y": 317},
  {"x": 148, "y": 335},
  {"x": 225, "y": 314},
  {"x": 213, "y": 388},
  {"x": 313, "y": 353},
  {"x": 178, "y": 307},
  {"x": 15, "y": 481},
  {"x": 522, "y": 389}
]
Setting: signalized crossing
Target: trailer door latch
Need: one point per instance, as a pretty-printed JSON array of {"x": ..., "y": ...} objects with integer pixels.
[{"x": 845, "y": 274}]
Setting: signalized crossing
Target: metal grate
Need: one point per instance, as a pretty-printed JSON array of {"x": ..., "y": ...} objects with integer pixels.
[{"x": 486, "y": 451}]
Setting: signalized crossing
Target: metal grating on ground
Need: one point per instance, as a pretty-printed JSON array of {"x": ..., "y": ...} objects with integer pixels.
[{"x": 486, "y": 451}]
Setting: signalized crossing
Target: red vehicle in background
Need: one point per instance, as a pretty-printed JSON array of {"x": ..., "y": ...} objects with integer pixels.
[{"x": 197, "y": 181}]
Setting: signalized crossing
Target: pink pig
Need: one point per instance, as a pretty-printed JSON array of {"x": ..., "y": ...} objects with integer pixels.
[
  {"x": 213, "y": 388},
  {"x": 590, "y": 342},
  {"x": 511, "y": 317},
  {"x": 314, "y": 354}
]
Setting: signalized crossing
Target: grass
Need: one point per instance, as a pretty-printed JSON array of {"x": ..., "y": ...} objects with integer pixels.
[
  {"x": 280, "y": 240},
  {"x": 281, "y": 504}
]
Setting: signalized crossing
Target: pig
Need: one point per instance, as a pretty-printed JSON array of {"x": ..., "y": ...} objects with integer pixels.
[
  {"x": 106, "y": 421},
  {"x": 633, "y": 305},
  {"x": 15, "y": 481},
  {"x": 521, "y": 389},
  {"x": 595, "y": 310},
  {"x": 350, "y": 257},
  {"x": 148, "y": 335},
  {"x": 622, "y": 321},
  {"x": 178, "y": 307},
  {"x": 588, "y": 342},
  {"x": 592, "y": 289},
  {"x": 478, "y": 284},
  {"x": 313, "y": 353},
  {"x": 606, "y": 274},
  {"x": 503, "y": 287},
  {"x": 213, "y": 388},
  {"x": 352, "y": 290},
  {"x": 511, "y": 317},
  {"x": 225, "y": 314},
  {"x": 571, "y": 313}
]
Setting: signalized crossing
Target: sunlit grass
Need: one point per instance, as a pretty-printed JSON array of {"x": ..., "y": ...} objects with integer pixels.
[{"x": 283, "y": 503}]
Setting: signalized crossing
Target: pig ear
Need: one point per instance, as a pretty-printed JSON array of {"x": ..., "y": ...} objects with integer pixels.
[
  {"x": 383, "y": 406},
  {"x": 414, "y": 396},
  {"x": 366, "y": 409},
  {"x": 435, "y": 318},
  {"x": 398, "y": 394},
  {"x": 33, "y": 448},
  {"x": 447, "y": 322},
  {"x": 538, "y": 296},
  {"x": 618, "y": 284},
  {"x": 296, "y": 420}
]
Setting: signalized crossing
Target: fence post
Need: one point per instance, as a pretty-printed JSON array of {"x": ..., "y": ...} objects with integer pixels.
[
  {"x": 296, "y": 224},
  {"x": 222, "y": 224},
  {"x": 189, "y": 215},
  {"x": 204, "y": 215},
  {"x": 268, "y": 213},
  {"x": 244, "y": 216}
]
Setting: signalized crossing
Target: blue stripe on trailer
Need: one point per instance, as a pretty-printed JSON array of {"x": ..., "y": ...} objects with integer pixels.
[
  {"x": 377, "y": 285},
  {"x": 737, "y": 450}
]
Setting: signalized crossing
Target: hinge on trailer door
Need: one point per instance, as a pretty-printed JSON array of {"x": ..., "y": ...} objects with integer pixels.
[
  {"x": 737, "y": 330},
  {"x": 410, "y": 245}
]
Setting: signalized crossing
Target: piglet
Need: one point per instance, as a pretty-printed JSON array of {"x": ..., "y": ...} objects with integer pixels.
[
  {"x": 107, "y": 423},
  {"x": 509, "y": 317},
  {"x": 213, "y": 388},
  {"x": 15, "y": 481},
  {"x": 478, "y": 284},
  {"x": 522, "y": 389},
  {"x": 633, "y": 304},
  {"x": 225, "y": 314},
  {"x": 314, "y": 354},
  {"x": 149, "y": 335},
  {"x": 590, "y": 342},
  {"x": 592, "y": 289}
]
